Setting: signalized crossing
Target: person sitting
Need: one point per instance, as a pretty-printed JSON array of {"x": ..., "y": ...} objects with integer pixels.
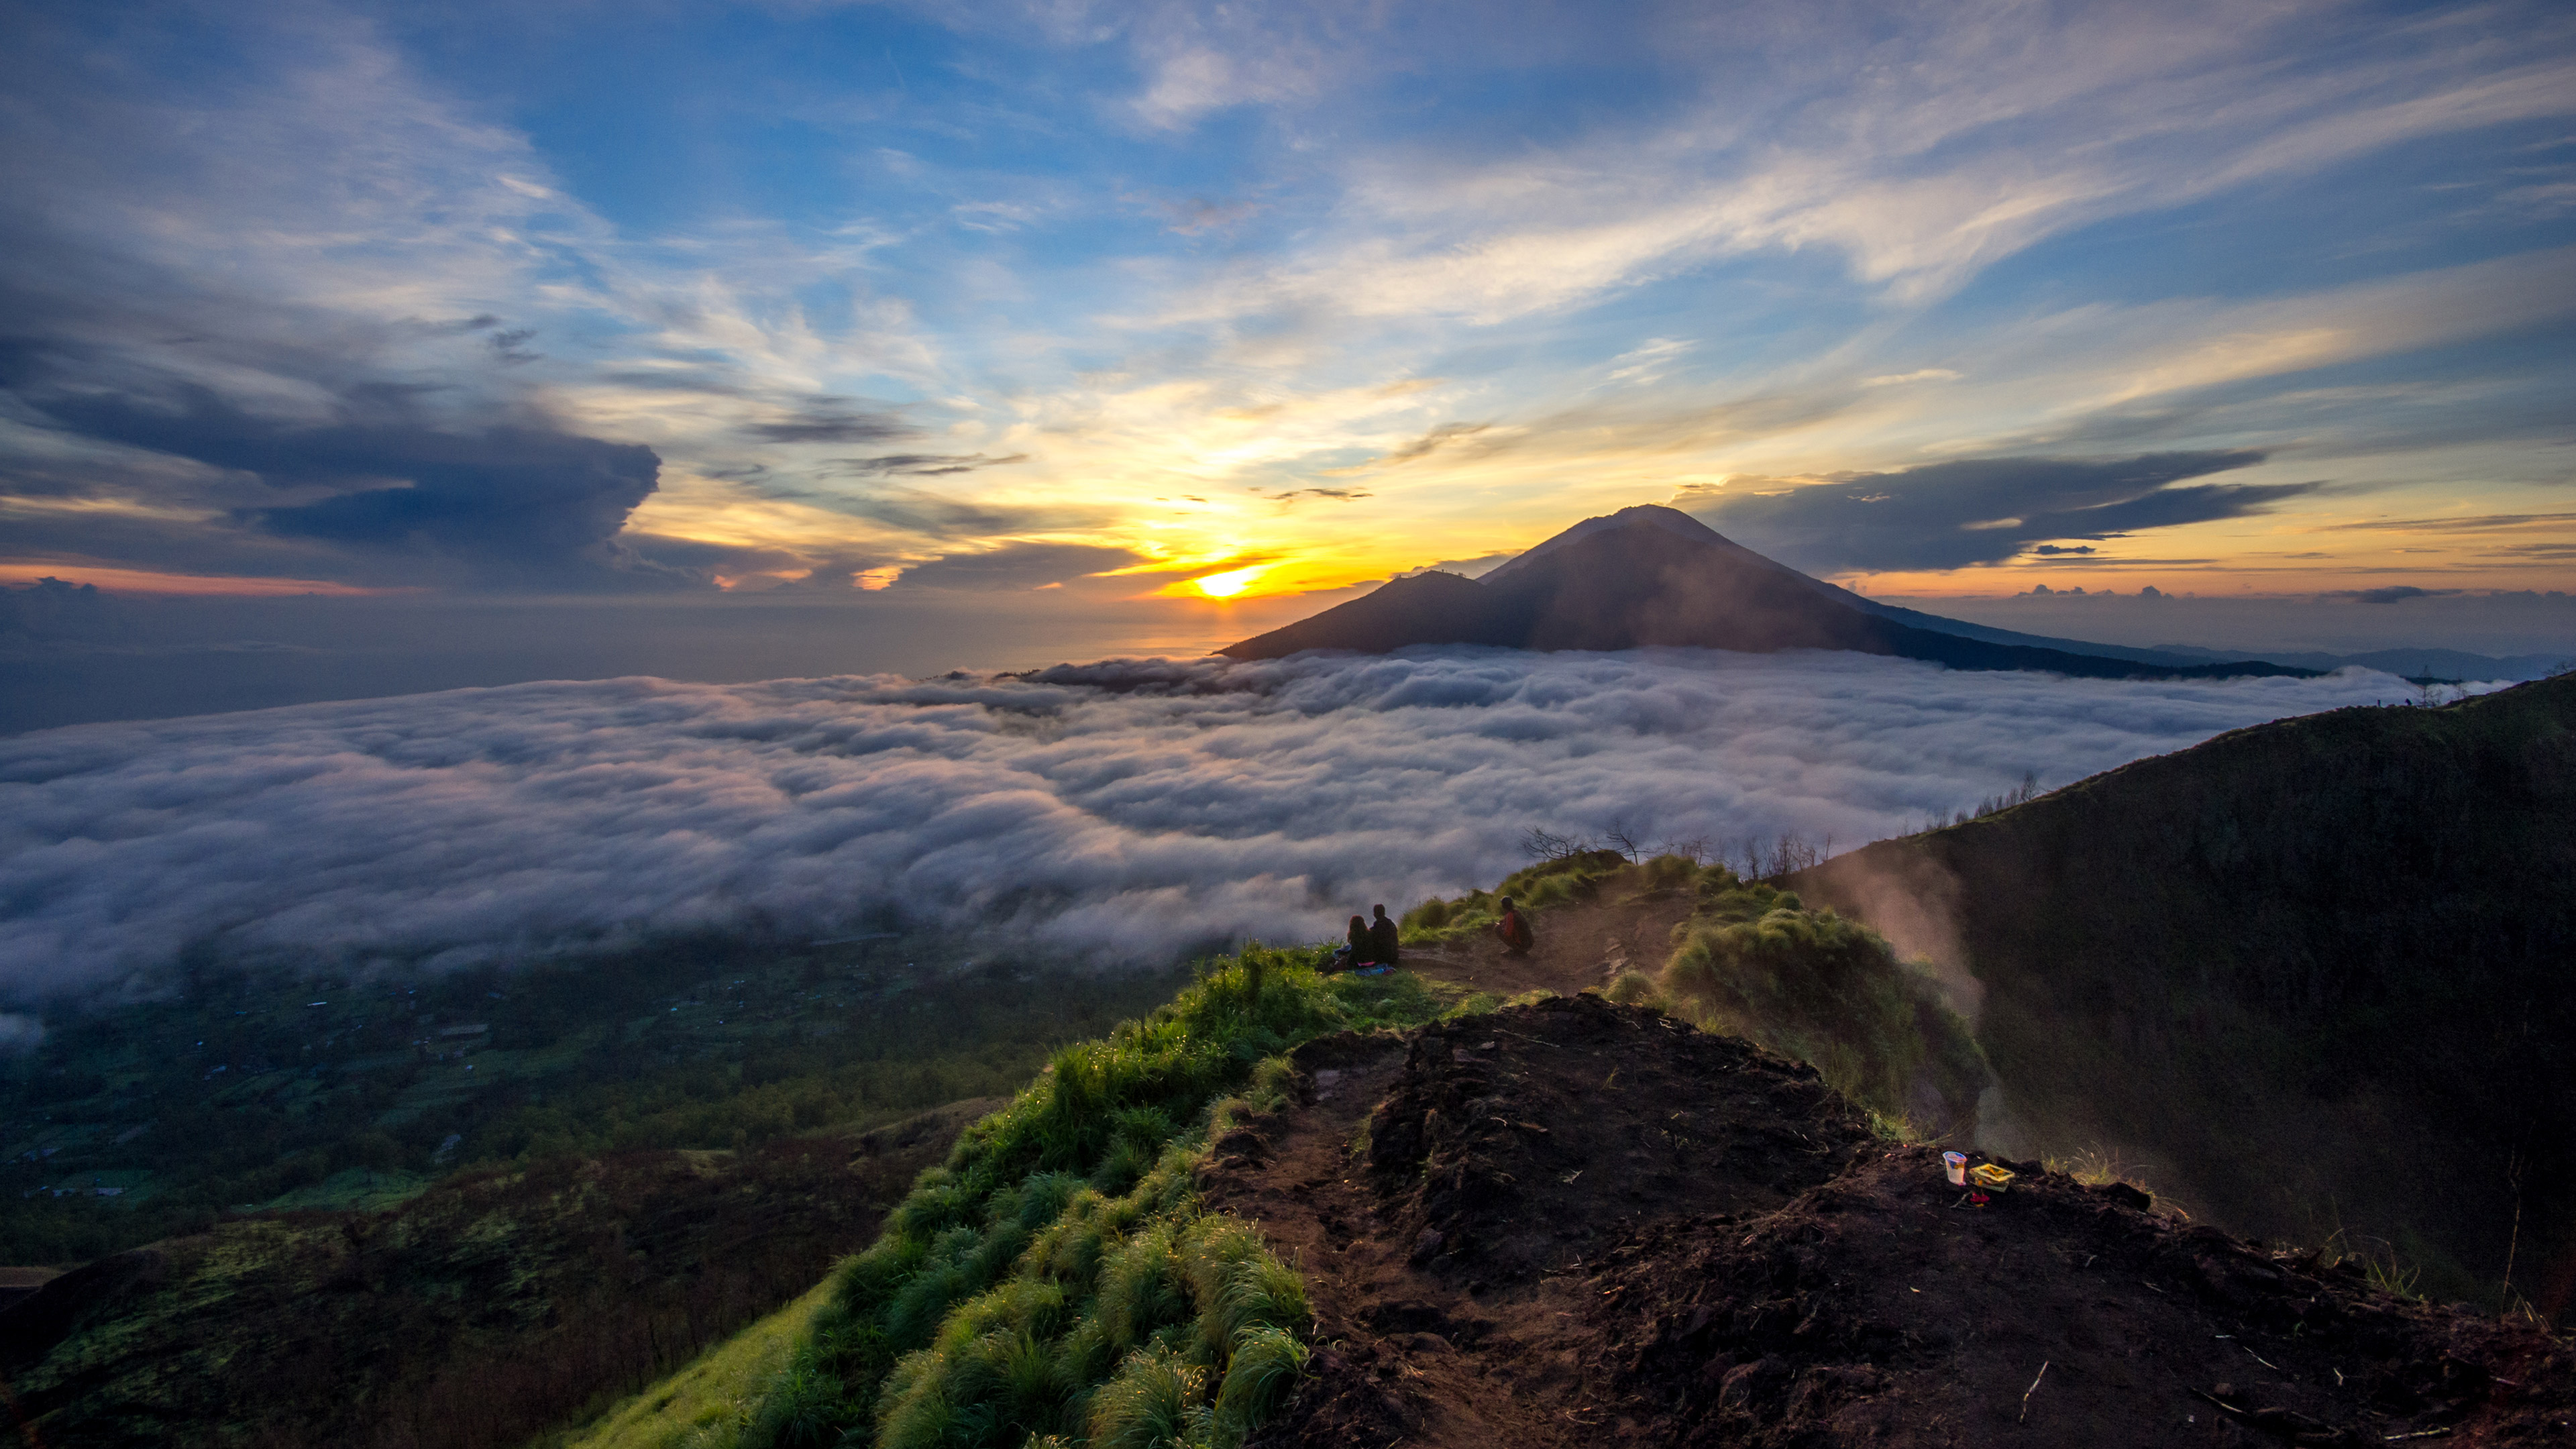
[
  {"x": 1385, "y": 944},
  {"x": 1514, "y": 928},
  {"x": 1358, "y": 951}
]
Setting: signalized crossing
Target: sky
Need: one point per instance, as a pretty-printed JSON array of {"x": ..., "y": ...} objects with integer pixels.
[{"x": 407, "y": 346}]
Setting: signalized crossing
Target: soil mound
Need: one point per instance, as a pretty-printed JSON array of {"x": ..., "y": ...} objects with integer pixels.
[{"x": 1575, "y": 1222}]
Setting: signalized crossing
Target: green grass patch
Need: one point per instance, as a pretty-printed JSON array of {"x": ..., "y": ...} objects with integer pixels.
[{"x": 1056, "y": 1282}]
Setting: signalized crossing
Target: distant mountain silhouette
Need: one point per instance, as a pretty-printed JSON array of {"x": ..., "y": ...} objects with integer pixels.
[{"x": 1650, "y": 576}]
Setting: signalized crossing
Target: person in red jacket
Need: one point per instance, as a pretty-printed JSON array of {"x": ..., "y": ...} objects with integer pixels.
[{"x": 1515, "y": 930}]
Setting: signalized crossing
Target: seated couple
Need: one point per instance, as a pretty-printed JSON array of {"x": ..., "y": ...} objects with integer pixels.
[{"x": 1372, "y": 946}]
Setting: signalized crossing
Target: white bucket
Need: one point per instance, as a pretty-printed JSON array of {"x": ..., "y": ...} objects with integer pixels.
[{"x": 1956, "y": 1164}]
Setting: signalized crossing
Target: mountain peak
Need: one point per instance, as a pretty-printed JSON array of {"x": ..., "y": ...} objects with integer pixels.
[
  {"x": 1642, "y": 515},
  {"x": 1655, "y": 577}
]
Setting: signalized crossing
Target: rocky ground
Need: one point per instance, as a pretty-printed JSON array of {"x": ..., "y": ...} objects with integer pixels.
[{"x": 1576, "y": 1223}]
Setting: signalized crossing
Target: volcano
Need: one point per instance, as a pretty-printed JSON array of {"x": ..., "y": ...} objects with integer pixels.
[{"x": 1651, "y": 576}]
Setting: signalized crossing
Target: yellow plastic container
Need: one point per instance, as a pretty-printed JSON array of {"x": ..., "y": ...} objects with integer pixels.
[{"x": 1988, "y": 1177}]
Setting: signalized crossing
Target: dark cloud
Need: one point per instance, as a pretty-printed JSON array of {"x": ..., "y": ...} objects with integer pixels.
[
  {"x": 932, "y": 516},
  {"x": 2461, "y": 523},
  {"x": 675, "y": 380},
  {"x": 1337, "y": 495},
  {"x": 52, "y": 609},
  {"x": 1016, "y": 566},
  {"x": 831, "y": 420},
  {"x": 519, "y": 505},
  {"x": 2394, "y": 594},
  {"x": 921, "y": 465},
  {"x": 1976, "y": 510},
  {"x": 1422, "y": 447}
]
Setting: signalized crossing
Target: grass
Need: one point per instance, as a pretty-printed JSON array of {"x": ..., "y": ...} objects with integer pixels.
[
  {"x": 1056, "y": 1282},
  {"x": 707, "y": 1404},
  {"x": 1573, "y": 877}
]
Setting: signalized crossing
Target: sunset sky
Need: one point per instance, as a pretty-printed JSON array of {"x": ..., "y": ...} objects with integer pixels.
[{"x": 655, "y": 301}]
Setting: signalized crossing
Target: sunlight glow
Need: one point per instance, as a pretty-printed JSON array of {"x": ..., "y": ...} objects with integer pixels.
[{"x": 1227, "y": 585}]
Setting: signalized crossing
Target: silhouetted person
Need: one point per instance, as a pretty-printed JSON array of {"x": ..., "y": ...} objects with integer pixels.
[
  {"x": 1514, "y": 928},
  {"x": 1385, "y": 942},
  {"x": 1355, "y": 951}
]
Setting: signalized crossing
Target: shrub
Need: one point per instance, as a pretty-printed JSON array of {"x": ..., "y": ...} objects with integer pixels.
[
  {"x": 1814, "y": 985},
  {"x": 1629, "y": 988},
  {"x": 1669, "y": 872}
]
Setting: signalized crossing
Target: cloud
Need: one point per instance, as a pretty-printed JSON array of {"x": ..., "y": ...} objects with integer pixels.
[
  {"x": 930, "y": 515},
  {"x": 524, "y": 504},
  {"x": 260, "y": 322},
  {"x": 1975, "y": 510},
  {"x": 831, "y": 420},
  {"x": 1337, "y": 495},
  {"x": 1421, "y": 447},
  {"x": 922, "y": 465},
  {"x": 1016, "y": 566},
  {"x": 2474, "y": 523},
  {"x": 2394, "y": 594},
  {"x": 1125, "y": 809}
]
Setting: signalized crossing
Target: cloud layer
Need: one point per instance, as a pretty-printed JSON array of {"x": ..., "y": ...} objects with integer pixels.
[{"x": 1123, "y": 810}]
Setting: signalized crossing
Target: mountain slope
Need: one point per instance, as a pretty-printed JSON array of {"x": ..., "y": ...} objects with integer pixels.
[
  {"x": 530, "y": 1295},
  {"x": 1648, "y": 576},
  {"x": 1572, "y": 1224},
  {"x": 2311, "y": 975}
]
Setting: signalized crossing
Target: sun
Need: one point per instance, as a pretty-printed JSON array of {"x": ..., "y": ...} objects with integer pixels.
[{"x": 1227, "y": 585}]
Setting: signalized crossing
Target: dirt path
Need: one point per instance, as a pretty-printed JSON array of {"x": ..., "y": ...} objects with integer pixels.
[
  {"x": 1394, "y": 1337},
  {"x": 1444, "y": 1249}
]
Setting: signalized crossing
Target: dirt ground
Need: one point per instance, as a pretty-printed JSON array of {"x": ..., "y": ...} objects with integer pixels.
[{"x": 1577, "y": 1223}]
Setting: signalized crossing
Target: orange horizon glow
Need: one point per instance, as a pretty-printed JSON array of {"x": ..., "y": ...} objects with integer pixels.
[{"x": 145, "y": 581}]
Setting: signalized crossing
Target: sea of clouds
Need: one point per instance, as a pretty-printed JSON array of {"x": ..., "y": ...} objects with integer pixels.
[{"x": 1124, "y": 810}]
